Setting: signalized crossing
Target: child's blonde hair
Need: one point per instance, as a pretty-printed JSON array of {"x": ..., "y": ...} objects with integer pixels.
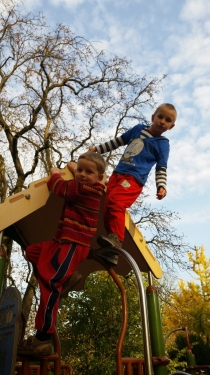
[
  {"x": 168, "y": 105},
  {"x": 96, "y": 158}
]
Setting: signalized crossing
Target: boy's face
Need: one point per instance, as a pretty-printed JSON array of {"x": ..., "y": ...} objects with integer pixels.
[
  {"x": 162, "y": 120},
  {"x": 87, "y": 172}
]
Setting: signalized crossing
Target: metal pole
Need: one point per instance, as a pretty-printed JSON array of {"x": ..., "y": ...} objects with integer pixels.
[
  {"x": 189, "y": 355},
  {"x": 2, "y": 263},
  {"x": 155, "y": 324},
  {"x": 143, "y": 309}
]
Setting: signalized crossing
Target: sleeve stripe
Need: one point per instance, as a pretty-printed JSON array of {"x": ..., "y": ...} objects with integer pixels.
[
  {"x": 110, "y": 145},
  {"x": 161, "y": 177}
]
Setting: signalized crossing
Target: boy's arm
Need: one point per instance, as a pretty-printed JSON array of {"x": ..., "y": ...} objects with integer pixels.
[
  {"x": 58, "y": 185},
  {"x": 122, "y": 140},
  {"x": 92, "y": 149},
  {"x": 161, "y": 193},
  {"x": 54, "y": 170},
  {"x": 161, "y": 180},
  {"x": 72, "y": 166},
  {"x": 108, "y": 146},
  {"x": 161, "y": 169}
]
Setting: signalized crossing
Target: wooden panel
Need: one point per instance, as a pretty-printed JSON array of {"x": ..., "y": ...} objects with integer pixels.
[{"x": 32, "y": 216}]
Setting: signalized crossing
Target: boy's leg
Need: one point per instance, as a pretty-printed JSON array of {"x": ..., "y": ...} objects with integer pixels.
[
  {"x": 63, "y": 260},
  {"x": 33, "y": 253},
  {"x": 57, "y": 262},
  {"x": 73, "y": 277},
  {"x": 122, "y": 192},
  {"x": 70, "y": 283},
  {"x": 35, "y": 344}
]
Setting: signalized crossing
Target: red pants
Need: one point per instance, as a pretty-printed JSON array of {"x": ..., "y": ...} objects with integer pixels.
[
  {"x": 122, "y": 192},
  {"x": 54, "y": 263}
]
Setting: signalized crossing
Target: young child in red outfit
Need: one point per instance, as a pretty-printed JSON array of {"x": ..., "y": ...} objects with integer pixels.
[
  {"x": 56, "y": 261},
  {"x": 146, "y": 148}
]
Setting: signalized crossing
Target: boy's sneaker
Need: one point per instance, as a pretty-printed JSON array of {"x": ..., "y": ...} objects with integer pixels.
[
  {"x": 110, "y": 240},
  {"x": 33, "y": 346},
  {"x": 70, "y": 283}
]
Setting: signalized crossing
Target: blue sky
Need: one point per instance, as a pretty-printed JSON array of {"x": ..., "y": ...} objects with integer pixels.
[{"x": 160, "y": 37}]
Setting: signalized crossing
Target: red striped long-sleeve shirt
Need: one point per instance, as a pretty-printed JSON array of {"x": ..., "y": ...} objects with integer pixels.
[{"x": 79, "y": 218}]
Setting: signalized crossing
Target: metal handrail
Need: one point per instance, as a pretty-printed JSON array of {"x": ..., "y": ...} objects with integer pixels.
[{"x": 142, "y": 303}]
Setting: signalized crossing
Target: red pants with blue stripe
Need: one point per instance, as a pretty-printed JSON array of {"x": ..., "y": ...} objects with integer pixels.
[
  {"x": 122, "y": 192},
  {"x": 54, "y": 263}
]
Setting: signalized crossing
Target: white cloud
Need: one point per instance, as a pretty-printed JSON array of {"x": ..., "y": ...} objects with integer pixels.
[
  {"x": 195, "y": 10},
  {"x": 68, "y": 3},
  {"x": 202, "y": 97},
  {"x": 198, "y": 216},
  {"x": 204, "y": 141},
  {"x": 188, "y": 167},
  {"x": 29, "y": 4},
  {"x": 190, "y": 49}
]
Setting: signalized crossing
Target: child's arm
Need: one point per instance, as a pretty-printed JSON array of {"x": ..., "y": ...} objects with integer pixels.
[
  {"x": 58, "y": 185},
  {"x": 92, "y": 149},
  {"x": 54, "y": 170},
  {"x": 161, "y": 193},
  {"x": 110, "y": 145},
  {"x": 72, "y": 166},
  {"x": 119, "y": 141}
]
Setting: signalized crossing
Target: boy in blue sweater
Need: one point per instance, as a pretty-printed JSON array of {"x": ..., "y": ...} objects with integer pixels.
[{"x": 146, "y": 148}]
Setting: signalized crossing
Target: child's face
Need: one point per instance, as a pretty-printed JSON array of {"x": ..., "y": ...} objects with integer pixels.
[
  {"x": 163, "y": 120},
  {"x": 87, "y": 172}
]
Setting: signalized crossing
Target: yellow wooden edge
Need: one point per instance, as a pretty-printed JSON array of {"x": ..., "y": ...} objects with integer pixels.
[
  {"x": 140, "y": 242},
  {"x": 19, "y": 205}
]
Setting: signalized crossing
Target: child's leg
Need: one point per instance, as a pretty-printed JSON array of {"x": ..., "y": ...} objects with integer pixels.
[
  {"x": 56, "y": 264},
  {"x": 33, "y": 253},
  {"x": 122, "y": 192}
]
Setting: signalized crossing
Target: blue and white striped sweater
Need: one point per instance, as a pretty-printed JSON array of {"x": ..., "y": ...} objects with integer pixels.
[{"x": 143, "y": 152}]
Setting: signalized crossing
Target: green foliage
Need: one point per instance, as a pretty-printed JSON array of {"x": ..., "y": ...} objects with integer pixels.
[
  {"x": 89, "y": 325},
  {"x": 190, "y": 307},
  {"x": 177, "y": 352}
]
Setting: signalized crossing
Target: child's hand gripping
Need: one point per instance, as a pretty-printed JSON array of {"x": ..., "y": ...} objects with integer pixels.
[{"x": 161, "y": 193}]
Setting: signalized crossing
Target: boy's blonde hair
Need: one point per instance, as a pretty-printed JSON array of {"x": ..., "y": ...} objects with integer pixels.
[
  {"x": 96, "y": 158},
  {"x": 168, "y": 105}
]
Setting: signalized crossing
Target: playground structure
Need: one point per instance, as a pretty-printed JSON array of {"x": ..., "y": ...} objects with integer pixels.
[
  {"x": 191, "y": 367},
  {"x": 31, "y": 216}
]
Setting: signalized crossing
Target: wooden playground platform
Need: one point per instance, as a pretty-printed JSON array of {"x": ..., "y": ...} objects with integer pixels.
[{"x": 32, "y": 216}]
